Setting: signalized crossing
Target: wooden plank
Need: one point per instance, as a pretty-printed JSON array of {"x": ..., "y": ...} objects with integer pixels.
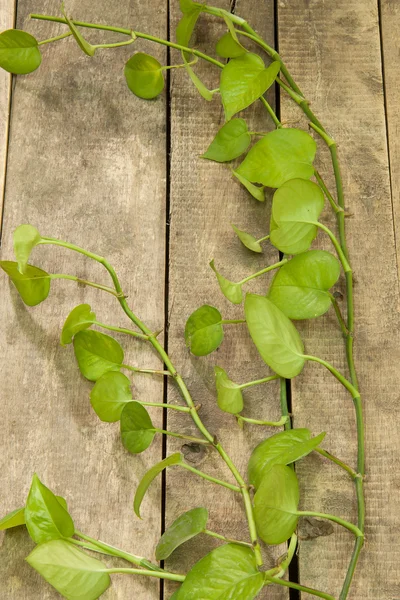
[
  {"x": 7, "y": 16},
  {"x": 333, "y": 51},
  {"x": 86, "y": 164},
  {"x": 204, "y": 201}
]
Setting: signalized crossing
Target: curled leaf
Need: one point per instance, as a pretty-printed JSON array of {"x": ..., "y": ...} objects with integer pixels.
[
  {"x": 230, "y": 142},
  {"x": 25, "y": 238},
  {"x": 19, "y": 52},
  {"x": 229, "y": 46},
  {"x": 229, "y": 397},
  {"x": 248, "y": 240},
  {"x": 87, "y": 48},
  {"x": 173, "y": 459},
  {"x": 109, "y": 396},
  {"x": 15, "y": 518},
  {"x": 231, "y": 290},
  {"x": 33, "y": 285},
  {"x": 143, "y": 74},
  {"x": 97, "y": 353},
  {"x": 184, "y": 528},
  {"x": 81, "y": 317},
  {"x": 137, "y": 430},
  {"x": 204, "y": 331},
  {"x": 254, "y": 190}
]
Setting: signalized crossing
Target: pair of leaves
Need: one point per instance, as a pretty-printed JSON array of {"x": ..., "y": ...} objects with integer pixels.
[
  {"x": 230, "y": 142},
  {"x": 184, "y": 528},
  {"x": 143, "y": 74},
  {"x": 204, "y": 331},
  {"x": 19, "y": 52}
]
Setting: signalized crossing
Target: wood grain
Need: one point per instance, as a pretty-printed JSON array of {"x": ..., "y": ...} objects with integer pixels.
[
  {"x": 86, "y": 164},
  {"x": 7, "y": 16}
]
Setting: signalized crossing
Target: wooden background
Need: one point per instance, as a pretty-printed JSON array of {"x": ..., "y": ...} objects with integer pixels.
[{"x": 84, "y": 160}]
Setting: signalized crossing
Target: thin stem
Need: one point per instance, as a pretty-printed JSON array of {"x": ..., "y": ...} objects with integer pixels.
[
  {"x": 112, "y": 551},
  {"x": 122, "y": 330},
  {"x": 159, "y": 574},
  {"x": 98, "y": 286},
  {"x": 225, "y": 539},
  {"x": 182, "y": 436},
  {"x": 336, "y": 209},
  {"x": 149, "y": 371},
  {"x": 232, "y": 321},
  {"x": 283, "y": 420},
  {"x": 349, "y": 386},
  {"x": 234, "y": 488},
  {"x": 346, "y": 524},
  {"x": 337, "y": 461},
  {"x": 92, "y": 547},
  {"x": 297, "y": 586},
  {"x": 339, "y": 315},
  {"x": 263, "y": 239},
  {"x": 258, "y": 381},
  {"x": 284, "y": 403},
  {"x": 271, "y": 112},
  {"x": 55, "y": 39},
  {"x": 115, "y": 45},
  {"x": 184, "y": 409},
  {"x": 338, "y": 248},
  {"x": 266, "y": 270},
  {"x": 352, "y": 567}
]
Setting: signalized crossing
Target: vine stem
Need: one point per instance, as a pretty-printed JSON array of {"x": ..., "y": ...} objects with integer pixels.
[
  {"x": 218, "y": 536},
  {"x": 282, "y": 421},
  {"x": 297, "y": 586},
  {"x": 346, "y": 524},
  {"x": 121, "y": 330},
  {"x": 148, "y": 573}
]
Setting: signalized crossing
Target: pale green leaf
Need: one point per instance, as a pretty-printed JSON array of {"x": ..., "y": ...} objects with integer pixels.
[
  {"x": 186, "y": 25},
  {"x": 81, "y": 317},
  {"x": 97, "y": 353},
  {"x": 229, "y": 47},
  {"x": 25, "y": 238},
  {"x": 143, "y": 74},
  {"x": 137, "y": 430},
  {"x": 254, "y": 190},
  {"x": 184, "y": 528},
  {"x": 231, "y": 290},
  {"x": 109, "y": 396},
  {"x": 16, "y": 517},
  {"x": 229, "y": 397},
  {"x": 173, "y": 459},
  {"x": 247, "y": 240},
  {"x": 230, "y": 142},
  {"x": 19, "y": 52},
  {"x": 87, "y": 48},
  {"x": 204, "y": 331},
  {"x": 33, "y": 286}
]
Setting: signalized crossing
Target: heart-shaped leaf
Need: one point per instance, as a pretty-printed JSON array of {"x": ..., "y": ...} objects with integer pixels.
[
  {"x": 254, "y": 190},
  {"x": 228, "y": 572},
  {"x": 109, "y": 396},
  {"x": 25, "y": 238},
  {"x": 204, "y": 331},
  {"x": 15, "y": 518},
  {"x": 229, "y": 47},
  {"x": 229, "y": 397},
  {"x": 275, "y": 505},
  {"x": 230, "y": 142},
  {"x": 184, "y": 528},
  {"x": 231, "y": 290},
  {"x": 279, "y": 156},
  {"x": 97, "y": 353},
  {"x": 74, "y": 574},
  {"x": 173, "y": 459},
  {"x": 87, "y": 48},
  {"x": 143, "y": 74},
  {"x": 137, "y": 430},
  {"x": 80, "y": 318},
  {"x": 19, "y": 52},
  {"x": 247, "y": 239},
  {"x": 301, "y": 287},
  {"x": 297, "y": 204},
  {"x": 33, "y": 286},
  {"x": 275, "y": 336},
  {"x": 46, "y": 518},
  {"x": 244, "y": 80}
]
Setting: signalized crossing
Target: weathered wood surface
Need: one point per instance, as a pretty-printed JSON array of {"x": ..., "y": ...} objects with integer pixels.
[{"x": 7, "y": 10}]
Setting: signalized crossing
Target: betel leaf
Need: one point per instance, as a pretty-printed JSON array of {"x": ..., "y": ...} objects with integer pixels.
[
  {"x": 46, "y": 518},
  {"x": 109, "y": 396},
  {"x": 229, "y": 397},
  {"x": 230, "y": 142},
  {"x": 254, "y": 190},
  {"x": 301, "y": 287},
  {"x": 280, "y": 155},
  {"x": 87, "y": 48},
  {"x": 247, "y": 240},
  {"x": 229, "y": 47},
  {"x": 173, "y": 459},
  {"x": 275, "y": 505},
  {"x": 276, "y": 338},
  {"x": 143, "y": 74},
  {"x": 81, "y": 317},
  {"x": 204, "y": 331},
  {"x": 296, "y": 205},
  {"x": 231, "y": 290},
  {"x": 25, "y": 238},
  {"x": 33, "y": 286},
  {"x": 97, "y": 353},
  {"x": 137, "y": 430},
  {"x": 74, "y": 574},
  {"x": 19, "y": 52},
  {"x": 244, "y": 80},
  {"x": 184, "y": 528},
  {"x": 15, "y": 518},
  {"x": 226, "y": 573}
]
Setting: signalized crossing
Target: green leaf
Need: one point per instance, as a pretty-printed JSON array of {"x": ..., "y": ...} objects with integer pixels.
[
  {"x": 16, "y": 517},
  {"x": 201, "y": 88},
  {"x": 186, "y": 25},
  {"x": 226, "y": 573},
  {"x": 204, "y": 331},
  {"x": 275, "y": 505},
  {"x": 231, "y": 290},
  {"x": 137, "y": 430},
  {"x": 19, "y": 52},
  {"x": 184, "y": 528},
  {"x": 46, "y": 518},
  {"x": 109, "y": 396},
  {"x": 173, "y": 459},
  {"x": 81, "y": 317},
  {"x": 301, "y": 287},
  {"x": 229, "y": 47},
  {"x": 279, "y": 156},
  {"x": 74, "y": 574},
  {"x": 230, "y": 142},
  {"x": 255, "y": 191},
  {"x": 80, "y": 40},
  {"x": 296, "y": 204},
  {"x": 97, "y": 353},
  {"x": 244, "y": 80},
  {"x": 143, "y": 74},
  {"x": 26, "y": 237},
  {"x": 33, "y": 286},
  {"x": 186, "y": 5},
  {"x": 230, "y": 397},
  {"x": 247, "y": 239},
  {"x": 276, "y": 338}
]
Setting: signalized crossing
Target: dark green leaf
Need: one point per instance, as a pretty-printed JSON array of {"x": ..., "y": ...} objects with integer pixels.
[
  {"x": 300, "y": 287},
  {"x": 295, "y": 207},
  {"x": 46, "y": 518},
  {"x": 81, "y": 317},
  {"x": 97, "y": 353},
  {"x": 279, "y": 156},
  {"x": 110, "y": 394},
  {"x": 173, "y": 459},
  {"x": 17, "y": 517},
  {"x": 226, "y": 573},
  {"x": 26, "y": 237},
  {"x": 33, "y": 286},
  {"x": 275, "y": 505},
  {"x": 231, "y": 290},
  {"x": 137, "y": 430},
  {"x": 255, "y": 191},
  {"x": 230, "y": 142},
  {"x": 247, "y": 239},
  {"x": 80, "y": 40},
  {"x": 203, "y": 331},
  {"x": 244, "y": 80},
  {"x": 230, "y": 397},
  {"x": 143, "y": 74},
  {"x": 184, "y": 528},
  {"x": 19, "y": 52},
  {"x": 74, "y": 574},
  {"x": 229, "y": 47},
  {"x": 275, "y": 337}
]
